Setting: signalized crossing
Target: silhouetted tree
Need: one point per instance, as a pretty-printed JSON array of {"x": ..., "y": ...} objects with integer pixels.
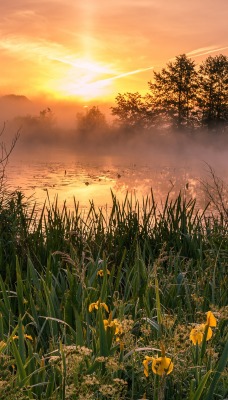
[
  {"x": 173, "y": 93},
  {"x": 46, "y": 118},
  {"x": 92, "y": 121},
  {"x": 132, "y": 111},
  {"x": 213, "y": 92},
  {"x": 45, "y": 121},
  {"x": 38, "y": 128}
]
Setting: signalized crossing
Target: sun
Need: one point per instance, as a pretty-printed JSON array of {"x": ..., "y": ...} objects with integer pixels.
[{"x": 84, "y": 79}]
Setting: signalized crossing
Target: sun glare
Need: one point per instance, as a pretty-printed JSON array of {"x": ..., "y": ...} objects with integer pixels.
[{"x": 83, "y": 79}]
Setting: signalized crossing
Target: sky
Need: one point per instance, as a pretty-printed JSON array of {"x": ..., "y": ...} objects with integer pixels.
[{"x": 94, "y": 49}]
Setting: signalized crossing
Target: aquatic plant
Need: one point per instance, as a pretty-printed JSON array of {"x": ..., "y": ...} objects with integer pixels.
[{"x": 123, "y": 333}]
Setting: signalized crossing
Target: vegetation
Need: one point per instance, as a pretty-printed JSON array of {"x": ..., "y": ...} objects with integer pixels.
[
  {"x": 180, "y": 97},
  {"x": 4, "y": 157},
  {"x": 132, "y": 305}
]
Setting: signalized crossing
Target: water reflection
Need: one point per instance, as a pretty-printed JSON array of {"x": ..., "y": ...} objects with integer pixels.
[{"x": 87, "y": 180}]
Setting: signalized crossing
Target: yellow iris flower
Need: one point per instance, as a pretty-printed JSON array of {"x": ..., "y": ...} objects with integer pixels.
[
  {"x": 25, "y": 336},
  {"x": 162, "y": 365},
  {"x": 146, "y": 366},
  {"x": 101, "y": 272},
  {"x": 2, "y": 345},
  {"x": 95, "y": 306},
  {"x": 115, "y": 324},
  {"x": 211, "y": 320},
  {"x": 197, "y": 333}
]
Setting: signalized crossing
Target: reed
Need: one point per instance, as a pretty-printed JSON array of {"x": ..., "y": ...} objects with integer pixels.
[{"x": 85, "y": 297}]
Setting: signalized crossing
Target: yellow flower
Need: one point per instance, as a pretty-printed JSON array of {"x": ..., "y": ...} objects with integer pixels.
[
  {"x": 101, "y": 272},
  {"x": 115, "y": 324},
  {"x": 211, "y": 321},
  {"x": 96, "y": 305},
  {"x": 197, "y": 333},
  {"x": 25, "y": 336},
  {"x": 162, "y": 365},
  {"x": 145, "y": 364},
  {"x": 119, "y": 328},
  {"x": 2, "y": 345},
  {"x": 121, "y": 345},
  {"x": 108, "y": 324},
  {"x": 93, "y": 306},
  {"x": 28, "y": 337}
]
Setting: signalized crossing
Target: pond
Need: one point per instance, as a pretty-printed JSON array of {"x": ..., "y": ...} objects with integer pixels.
[{"x": 94, "y": 179}]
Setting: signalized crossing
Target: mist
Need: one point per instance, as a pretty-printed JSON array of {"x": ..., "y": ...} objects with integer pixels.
[
  {"x": 175, "y": 149},
  {"x": 57, "y": 133}
]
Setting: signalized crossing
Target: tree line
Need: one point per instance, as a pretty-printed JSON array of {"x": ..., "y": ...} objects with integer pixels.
[{"x": 180, "y": 97}]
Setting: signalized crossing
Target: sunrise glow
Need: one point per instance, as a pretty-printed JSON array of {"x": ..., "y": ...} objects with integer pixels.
[
  {"x": 82, "y": 79},
  {"x": 93, "y": 51}
]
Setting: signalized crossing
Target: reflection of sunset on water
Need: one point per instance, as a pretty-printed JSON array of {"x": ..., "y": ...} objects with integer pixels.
[{"x": 87, "y": 182}]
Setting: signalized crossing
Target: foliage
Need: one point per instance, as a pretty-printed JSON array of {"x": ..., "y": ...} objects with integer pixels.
[
  {"x": 70, "y": 331},
  {"x": 173, "y": 92},
  {"x": 38, "y": 128},
  {"x": 5, "y": 153},
  {"x": 213, "y": 92},
  {"x": 132, "y": 111},
  {"x": 180, "y": 97},
  {"x": 93, "y": 120}
]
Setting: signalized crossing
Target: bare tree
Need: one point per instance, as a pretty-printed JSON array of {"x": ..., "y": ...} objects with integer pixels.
[
  {"x": 5, "y": 153},
  {"x": 216, "y": 191}
]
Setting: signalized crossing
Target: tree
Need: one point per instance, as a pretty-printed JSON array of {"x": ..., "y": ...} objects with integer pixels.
[
  {"x": 173, "y": 93},
  {"x": 92, "y": 121},
  {"x": 46, "y": 118},
  {"x": 213, "y": 92},
  {"x": 38, "y": 128},
  {"x": 132, "y": 111}
]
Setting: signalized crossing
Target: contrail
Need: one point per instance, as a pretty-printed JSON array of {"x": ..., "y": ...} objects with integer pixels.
[
  {"x": 82, "y": 64},
  {"x": 136, "y": 71},
  {"x": 122, "y": 75},
  {"x": 112, "y": 78},
  {"x": 192, "y": 53}
]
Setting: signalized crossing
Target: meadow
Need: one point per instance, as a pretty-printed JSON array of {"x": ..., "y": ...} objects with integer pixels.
[{"x": 130, "y": 305}]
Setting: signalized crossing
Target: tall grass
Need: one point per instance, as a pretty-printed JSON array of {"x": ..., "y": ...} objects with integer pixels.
[{"x": 162, "y": 270}]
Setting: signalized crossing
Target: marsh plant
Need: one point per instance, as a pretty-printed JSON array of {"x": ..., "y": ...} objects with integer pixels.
[{"x": 130, "y": 305}]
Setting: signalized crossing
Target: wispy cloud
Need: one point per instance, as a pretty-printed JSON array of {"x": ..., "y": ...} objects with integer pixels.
[{"x": 27, "y": 48}]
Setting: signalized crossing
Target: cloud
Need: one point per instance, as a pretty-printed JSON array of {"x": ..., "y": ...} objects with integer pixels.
[
  {"x": 51, "y": 39},
  {"x": 28, "y": 48}
]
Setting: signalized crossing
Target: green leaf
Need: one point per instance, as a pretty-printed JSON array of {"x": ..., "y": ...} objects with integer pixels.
[
  {"x": 158, "y": 303},
  {"x": 151, "y": 322},
  {"x": 201, "y": 386},
  {"x": 220, "y": 367},
  {"x": 21, "y": 340},
  {"x": 102, "y": 336},
  {"x": 79, "y": 330},
  {"x": 19, "y": 363}
]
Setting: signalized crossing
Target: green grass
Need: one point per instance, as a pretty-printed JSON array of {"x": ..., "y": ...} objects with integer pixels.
[{"x": 167, "y": 269}]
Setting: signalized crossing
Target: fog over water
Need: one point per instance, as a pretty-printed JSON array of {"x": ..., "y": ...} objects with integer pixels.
[{"x": 87, "y": 165}]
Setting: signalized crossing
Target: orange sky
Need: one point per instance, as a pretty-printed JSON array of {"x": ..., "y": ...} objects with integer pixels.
[{"x": 93, "y": 49}]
